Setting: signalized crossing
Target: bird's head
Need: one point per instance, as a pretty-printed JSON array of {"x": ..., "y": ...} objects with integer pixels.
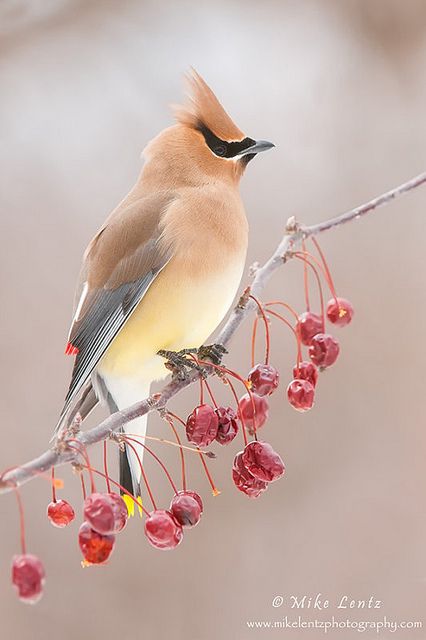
[{"x": 206, "y": 140}]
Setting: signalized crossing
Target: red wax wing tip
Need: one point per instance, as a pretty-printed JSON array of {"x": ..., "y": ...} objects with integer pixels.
[{"x": 71, "y": 350}]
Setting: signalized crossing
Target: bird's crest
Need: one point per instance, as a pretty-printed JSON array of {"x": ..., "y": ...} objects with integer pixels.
[{"x": 204, "y": 108}]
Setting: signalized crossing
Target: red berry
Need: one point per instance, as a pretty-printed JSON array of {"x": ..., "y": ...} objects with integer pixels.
[
  {"x": 340, "y": 311},
  {"x": 105, "y": 512},
  {"x": 245, "y": 411},
  {"x": 244, "y": 480},
  {"x": 96, "y": 547},
  {"x": 306, "y": 371},
  {"x": 262, "y": 461},
  {"x": 228, "y": 425},
  {"x": 202, "y": 425},
  {"x": 264, "y": 379},
  {"x": 301, "y": 394},
  {"x": 324, "y": 350},
  {"x": 60, "y": 513},
  {"x": 309, "y": 325},
  {"x": 187, "y": 508},
  {"x": 28, "y": 577},
  {"x": 163, "y": 530},
  {"x": 120, "y": 511}
]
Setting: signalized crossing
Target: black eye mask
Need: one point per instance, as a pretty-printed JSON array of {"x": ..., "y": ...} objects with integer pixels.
[{"x": 221, "y": 148}]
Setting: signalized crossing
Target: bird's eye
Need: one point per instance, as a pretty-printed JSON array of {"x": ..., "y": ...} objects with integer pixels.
[{"x": 220, "y": 149}]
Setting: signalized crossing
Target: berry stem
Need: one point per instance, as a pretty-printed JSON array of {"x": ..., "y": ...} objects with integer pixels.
[
  {"x": 201, "y": 390},
  {"x": 83, "y": 451},
  {"x": 176, "y": 417},
  {"x": 215, "y": 490},
  {"x": 83, "y": 486},
  {"x": 266, "y": 325},
  {"x": 212, "y": 398},
  {"x": 295, "y": 332},
  {"x": 21, "y": 519},
  {"x": 201, "y": 454},
  {"x": 182, "y": 456},
  {"x": 53, "y": 484},
  {"x": 106, "y": 466},
  {"x": 208, "y": 387},
  {"x": 306, "y": 257},
  {"x": 253, "y": 341},
  {"x": 234, "y": 393},
  {"x": 150, "y": 451},
  {"x": 312, "y": 260},
  {"x": 145, "y": 479},
  {"x": 286, "y": 306},
  {"x": 193, "y": 357},
  {"x": 201, "y": 380},
  {"x": 326, "y": 268},
  {"x": 164, "y": 441},
  {"x": 119, "y": 486},
  {"x": 306, "y": 279}
]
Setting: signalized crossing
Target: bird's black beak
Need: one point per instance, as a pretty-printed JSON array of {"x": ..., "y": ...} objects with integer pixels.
[{"x": 257, "y": 147}]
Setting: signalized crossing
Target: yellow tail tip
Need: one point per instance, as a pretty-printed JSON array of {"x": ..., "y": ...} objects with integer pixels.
[{"x": 130, "y": 504}]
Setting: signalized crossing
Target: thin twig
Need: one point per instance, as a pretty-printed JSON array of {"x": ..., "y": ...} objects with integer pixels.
[
  {"x": 61, "y": 453},
  {"x": 356, "y": 213}
]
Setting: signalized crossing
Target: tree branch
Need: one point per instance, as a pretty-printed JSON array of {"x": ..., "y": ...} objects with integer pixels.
[
  {"x": 61, "y": 453},
  {"x": 355, "y": 214}
]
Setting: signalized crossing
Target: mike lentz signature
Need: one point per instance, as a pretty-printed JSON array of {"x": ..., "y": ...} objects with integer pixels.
[{"x": 319, "y": 602}]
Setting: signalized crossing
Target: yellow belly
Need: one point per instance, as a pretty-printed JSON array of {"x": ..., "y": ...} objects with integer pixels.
[{"x": 177, "y": 312}]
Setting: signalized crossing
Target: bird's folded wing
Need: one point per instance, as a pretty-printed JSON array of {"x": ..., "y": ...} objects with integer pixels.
[{"x": 120, "y": 264}]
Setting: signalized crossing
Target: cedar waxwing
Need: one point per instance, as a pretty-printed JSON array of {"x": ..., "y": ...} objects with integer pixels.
[{"x": 163, "y": 270}]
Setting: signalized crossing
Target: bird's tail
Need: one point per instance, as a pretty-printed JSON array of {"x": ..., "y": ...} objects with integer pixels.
[
  {"x": 131, "y": 458},
  {"x": 119, "y": 395},
  {"x": 126, "y": 478}
]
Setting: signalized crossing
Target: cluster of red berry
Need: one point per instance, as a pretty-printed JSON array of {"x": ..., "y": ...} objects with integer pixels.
[
  {"x": 164, "y": 529},
  {"x": 105, "y": 515},
  {"x": 254, "y": 468},
  {"x": 323, "y": 350}
]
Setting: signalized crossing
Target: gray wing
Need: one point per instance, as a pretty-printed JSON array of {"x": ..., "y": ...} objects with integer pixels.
[{"x": 120, "y": 264}]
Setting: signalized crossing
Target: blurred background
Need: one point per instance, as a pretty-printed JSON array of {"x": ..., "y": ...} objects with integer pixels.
[{"x": 340, "y": 88}]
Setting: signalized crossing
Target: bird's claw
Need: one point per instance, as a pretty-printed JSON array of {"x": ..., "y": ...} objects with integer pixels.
[
  {"x": 179, "y": 364},
  {"x": 212, "y": 352}
]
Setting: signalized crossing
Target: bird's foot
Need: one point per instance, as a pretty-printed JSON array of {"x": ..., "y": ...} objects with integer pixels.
[
  {"x": 179, "y": 364},
  {"x": 212, "y": 352}
]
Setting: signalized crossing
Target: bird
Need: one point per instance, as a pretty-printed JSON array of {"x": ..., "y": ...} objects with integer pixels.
[{"x": 163, "y": 270}]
